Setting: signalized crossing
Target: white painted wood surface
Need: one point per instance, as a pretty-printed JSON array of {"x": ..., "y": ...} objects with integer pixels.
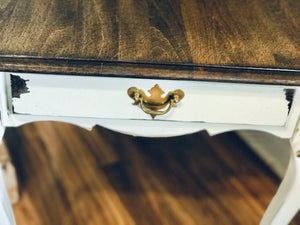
[
  {"x": 100, "y": 97},
  {"x": 280, "y": 124},
  {"x": 286, "y": 202},
  {"x": 6, "y": 213}
]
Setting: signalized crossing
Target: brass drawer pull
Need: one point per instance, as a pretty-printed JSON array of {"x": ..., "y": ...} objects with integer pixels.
[{"x": 153, "y": 103}]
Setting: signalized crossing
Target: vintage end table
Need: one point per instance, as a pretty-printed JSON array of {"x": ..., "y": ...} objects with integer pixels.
[{"x": 156, "y": 68}]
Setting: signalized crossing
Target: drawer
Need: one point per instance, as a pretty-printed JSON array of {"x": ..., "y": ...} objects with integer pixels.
[{"x": 105, "y": 97}]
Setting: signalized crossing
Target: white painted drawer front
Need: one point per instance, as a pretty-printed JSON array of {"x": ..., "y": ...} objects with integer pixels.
[{"x": 103, "y": 97}]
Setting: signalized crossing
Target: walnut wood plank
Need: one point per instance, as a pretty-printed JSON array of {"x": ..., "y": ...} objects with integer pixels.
[
  {"x": 229, "y": 33},
  {"x": 70, "y": 176}
]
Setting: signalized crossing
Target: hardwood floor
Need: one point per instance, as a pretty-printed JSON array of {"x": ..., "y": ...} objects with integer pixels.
[{"x": 71, "y": 176}]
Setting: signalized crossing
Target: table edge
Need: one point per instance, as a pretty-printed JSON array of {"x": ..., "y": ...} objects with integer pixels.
[{"x": 211, "y": 73}]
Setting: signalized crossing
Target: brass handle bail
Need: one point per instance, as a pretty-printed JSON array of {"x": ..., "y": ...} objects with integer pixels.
[{"x": 152, "y": 104}]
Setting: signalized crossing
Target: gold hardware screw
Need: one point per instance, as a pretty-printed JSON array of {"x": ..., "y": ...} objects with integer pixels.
[{"x": 298, "y": 154}]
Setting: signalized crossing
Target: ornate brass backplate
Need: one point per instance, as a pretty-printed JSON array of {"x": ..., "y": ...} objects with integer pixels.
[{"x": 153, "y": 103}]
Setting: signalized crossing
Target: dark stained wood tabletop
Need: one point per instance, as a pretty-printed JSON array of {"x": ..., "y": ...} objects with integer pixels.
[{"x": 256, "y": 41}]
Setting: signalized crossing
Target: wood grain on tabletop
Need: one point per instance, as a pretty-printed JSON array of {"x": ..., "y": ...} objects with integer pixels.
[
  {"x": 252, "y": 33},
  {"x": 70, "y": 176}
]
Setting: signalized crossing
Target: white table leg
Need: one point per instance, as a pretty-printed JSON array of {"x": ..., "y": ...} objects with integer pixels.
[
  {"x": 6, "y": 212},
  {"x": 286, "y": 202}
]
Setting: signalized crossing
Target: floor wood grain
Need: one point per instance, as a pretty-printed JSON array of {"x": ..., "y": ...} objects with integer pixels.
[{"x": 71, "y": 176}]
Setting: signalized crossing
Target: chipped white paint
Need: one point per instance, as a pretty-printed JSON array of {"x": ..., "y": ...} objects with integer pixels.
[
  {"x": 215, "y": 107},
  {"x": 100, "y": 97}
]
